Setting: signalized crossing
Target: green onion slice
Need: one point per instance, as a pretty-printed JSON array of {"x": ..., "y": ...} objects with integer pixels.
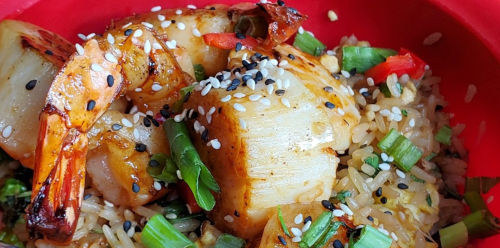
[
  {"x": 363, "y": 58},
  {"x": 444, "y": 135},
  {"x": 308, "y": 44},
  {"x": 228, "y": 241},
  {"x": 454, "y": 235},
  {"x": 428, "y": 199},
  {"x": 373, "y": 160},
  {"x": 404, "y": 112},
  {"x": 481, "y": 224},
  {"x": 282, "y": 222},
  {"x": 371, "y": 237},
  {"x": 328, "y": 234},
  {"x": 405, "y": 153},
  {"x": 165, "y": 171},
  {"x": 199, "y": 72},
  {"x": 317, "y": 229},
  {"x": 342, "y": 195},
  {"x": 475, "y": 201},
  {"x": 177, "y": 106},
  {"x": 159, "y": 233}
]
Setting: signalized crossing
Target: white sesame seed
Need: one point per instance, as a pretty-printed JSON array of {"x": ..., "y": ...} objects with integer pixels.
[
  {"x": 490, "y": 199},
  {"x": 157, "y": 45},
  {"x": 201, "y": 110},
  {"x": 170, "y": 44},
  {"x": 226, "y": 75},
  {"x": 346, "y": 209},
  {"x": 165, "y": 24},
  {"x": 126, "y": 122},
  {"x": 332, "y": 16},
  {"x": 156, "y": 8},
  {"x": 385, "y": 112},
  {"x": 111, "y": 39},
  {"x": 138, "y": 33},
  {"x": 251, "y": 84},
  {"x": 252, "y": 72},
  {"x": 263, "y": 1},
  {"x": 205, "y": 90},
  {"x": 301, "y": 30},
  {"x": 156, "y": 87},
  {"x": 398, "y": 118},
  {"x": 283, "y": 63},
  {"x": 138, "y": 89},
  {"x": 229, "y": 218},
  {"x": 340, "y": 111},
  {"x": 96, "y": 67},
  {"x": 279, "y": 84},
  {"x": 147, "y": 46},
  {"x": 281, "y": 71},
  {"x": 346, "y": 74},
  {"x": 178, "y": 12},
  {"x": 179, "y": 174},
  {"x": 202, "y": 129},
  {"x": 411, "y": 122},
  {"x": 136, "y": 116},
  {"x": 350, "y": 90},
  {"x": 285, "y": 102},
  {"x": 265, "y": 101},
  {"x": 150, "y": 112},
  {"x": 391, "y": 159},
  {"x": 331, "y": 52},
  {"x": 273, "y": 62},
  {"x": 109, "y": 57},
  {"x": 296, "y": 239},
  {"x": 393, "y": 235},
  {"x": 264, "y": 72},
  {"x": 147, "y": 24},
  {"x": 181, "y": 25},
  {"x": 384, "y": 166},
  {"x": 400, "y": 173},
  {"x": 338, "y": 212},
  {"x": 363, "y": 90},
  {"x": 344, "y": 88},
  {"x": 7, "y": 131},
  {"x": 370, "y": 81},
  {"x": 211, "y": 110},
  {"x": 239, "y": 95},
  {"x": 254, "y": 98},
  {"x": 263, "y": 64},
  {"x": 360, "y": 226},
  {"x": 131, "y": 232},
  {"x": 243, "y": 124},
  {"x": 226, "y": 98},
  {"x": 109, "y": 204},
  {"x": 83, "y": 37},
  {"x": 161, "y": 18},
  {"x": 196, "y": 32},
  {"x": 245, "y": 55},
  {"x": 383, "y": 231},
  {"x": 190, "y": 6},
  {"x": 396, "y": 110},
  {"x": 127, "y": 25},
  {"x": 270, "y": 89},
  {"x": 171, "y": 216},
  {"x": 384, "y": 156},
  {"x": 239, "y": 107},
  {"x": 79, "y": 49},
  {"x": 298, "y": 219},
  {"x": 296, "y": 232},
  {"x": 306, "y": 226},
  {"x": 157, "y": 186},
  {"x": 286, "y": 83},
  {"x": 402, "y": 216},
  {"x": 216, "y": 144},
  {"x": 137, "y": 135},
  {"x": 90, "y": 36},
  {"x": 214, "y": 82}
]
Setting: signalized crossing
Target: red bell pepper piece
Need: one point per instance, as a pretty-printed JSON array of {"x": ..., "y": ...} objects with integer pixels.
[
  {"x": 229, "y": 40},
  {"x": 187, "y": 196},
  {"x": 419, "y": 70},
  {"x": 399, "y": 64}
]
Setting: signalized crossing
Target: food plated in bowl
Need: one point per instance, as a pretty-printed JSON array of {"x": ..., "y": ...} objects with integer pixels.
[{"x": 253, "y": 127}]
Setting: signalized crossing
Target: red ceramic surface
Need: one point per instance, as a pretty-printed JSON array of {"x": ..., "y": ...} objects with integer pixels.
[{"x": 468, "y": 53}]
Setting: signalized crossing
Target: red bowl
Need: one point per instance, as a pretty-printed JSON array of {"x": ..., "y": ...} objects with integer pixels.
[{"x": 468, "y": 52}]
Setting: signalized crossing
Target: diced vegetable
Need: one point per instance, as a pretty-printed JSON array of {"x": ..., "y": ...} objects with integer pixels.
[
  {"x": 282, "y": 222},
  {"x": 428, "y": 199},
  {"x": 194, "y": 172},
  {"x": 475, "y": 201},
  {"x": 404, "y": 112},
  {"x": 481, "y": 224},
  {"x": 159, "y": 233},
  {"x": 373, "y": 161},
  {"x": 385, "y": 90},
  {"x": 419, "y": 69},
  {"x": 372, "y": 238},
  {"x": 229, "y": 40},
  {"x": 228, "y": 241},
  {"x": 14, "y": 198},
  {"x": 444, "y": 135},
  {"x": 430, "y": 157},
  {"x": 308, "y": 44},
  {"x": 165, "y": 170},
  {"x": 8, "y": 236},
  {"x": 405, "y": 153},
  {"x": 454, "y": 235},
  {"x": 363, "y": 58},
  {"x": 255, "y": 26},
  {"x": 399, "y": 64},
  {"x": 317, "y": 229},
  {"x": 342, "y": 195},
  {"x": 330, "y": 231},
  {"x": 199, "y": 72}
]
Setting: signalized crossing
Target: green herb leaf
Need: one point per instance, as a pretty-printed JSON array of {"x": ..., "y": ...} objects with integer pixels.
[
  {"x": 444, "y": 135},
  {"x": 199, "y": 72},
  {"x": 373, "y": 161},
  {"x": 177, "y": 106},
  {"x": 282, "y": 222},
  {"x": 428, "y": 199},
  {"x": 416, "y": 179},
  {"x": 342, "y": 195},
  {"x": 228, "y": 241},
  {"x": 405, "y": 153},
  {"x": 165, "y": 171},
  {"x": 404, "y": 112},
  {"x": 159, "y": 233},
  {"x": 13, "y": 200},
  {"x": 385, "y": 90},
  {"x": 308, "y": 44}
]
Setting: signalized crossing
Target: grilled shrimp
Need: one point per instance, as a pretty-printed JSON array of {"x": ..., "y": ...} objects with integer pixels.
[{"x": 94, "y": 77}]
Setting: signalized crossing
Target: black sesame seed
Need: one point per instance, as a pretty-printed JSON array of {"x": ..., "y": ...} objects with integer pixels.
[
  {"x": 155, "y": 123},
  {"x": 220, "y": 78},
  {"x": 128, "y": 32},
  {"x": 166, "y": 107},
  {"x": 153, "y": 163},
  {"x": 370, "y": 218},
  {"x": 245, "y": 63},
  {"x": 258, "y": 55},
  {"x": 219, "y": 110},
  {"x": 282, "y": 240},
  {"x": 140, "y": 147},
  {"x": 328, "y": 205},
  {"x": 336, "y": 76},
  {"x": 328, "y": 89},
  {"x": 164, "y": 113},
  {"x": 383, "y": 200},
  {"x": 147, "y": 122},
  {"x": 258, "y": 77},
  {"x": 236, "y": 213},
  {"x": 337, "y": 244},
  {"x": 240, "y": 36},
  {"x": 138, "y": 228},
  {"x": 245, "y": 78},
  {"x": 116, "y": 127},
  {"x": 173, "y": 21},
  {"x": 204, "y": 135},
  {"x": 49, "y": 52},
  {"x": 293, "y": 10},
  {"x": 307, "y": 219},
  {"x": 87, "y": 196},
  {"x": 388, "y": 212},
  {"x": 238, "y": 47},
  {"x": 281, "y": 3},
  {"x": 353, "y": 71},
  {"x": 251, "y": 66},
  {"x": 366, "y": 94},
  {"x": 438, "y": 107},
  {"x": 212, "y": 8},
  {"x": 127, "y": 225},
  {"x": 234, "y": 84},
  {"x": 378, "y": 193},
  {"x": 31, "y": 84},
  {"x": 291, "y": 56},
  {"x": 111, "y": 80},
  {"x": 279, "y": 92},
  {"x": 237, "y": 70},
  {"x": 269, "y": 81},
  {"x": 264, "y": 57},
  {"x": 90, "y": 105},
  {"x": 193, "y": 115},
  {"x": 149, "y": 117},
  {"x": 402, "y": 186},
  {"x": 135, "y": 188},
  {"x": 329, "y": 105}
]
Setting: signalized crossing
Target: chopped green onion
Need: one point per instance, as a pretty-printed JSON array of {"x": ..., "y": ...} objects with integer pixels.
[
  {"x": 187, "y": 217},
  {"x": 404, "y": 112},
  {"x": 308, "y": 44},
  {"x": 159, "y": 233},
  {"x": 282, "y": 222},
  {"x": 373, "y": 161},
  {"x": 11, "y": 187},
  {"x": 475, "y": 201},
  {"x": 428, "y": 199},
  {"x": 328, "y": 234},
  {"x": 255, "y": 26},
  {"x": 317, "y": 229},
  {"x": 454, "y": 235},
  {"x": 481, "y": 184},
  {"x": 228, "y": 241},
  {"x": 405, "y": 153},
  {"x": 371, "y": 237},
  {"x": 430, "y": 157},
  {"x": 363, "y": 58},
  {"x": 177, "y": 106},
  {"x": 351, "y": 239},
  {"x": 8, "y": 236},
  {"x": 416, "y": 179},
  {"x": 444, "y": 135},
  {"x": 165, "y": 171},
  {"x": 385, "y": 90},
  {"x": 194, "y": 172},
  {"x": 342, "y": 195},
  {"x": 481, "y": 224},
  {"x": 199, "y": 72}
]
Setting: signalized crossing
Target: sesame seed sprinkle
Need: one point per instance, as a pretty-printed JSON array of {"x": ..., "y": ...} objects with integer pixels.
[
  {"x": 273, "y": 62},
  {"x": 298, "y": 219},
  {"x": 270, "y": 89},
  {"x": 179, "y": 174},
  {"x": 205, "y": 90},
  {"x": 147, "y": 46},
  {"x": 296, "y": 232},
  {"x": 283, "y": 63},
  {"x": 211, "y": 111},
  {"x": 91, "y": 105},
  {"x": 127, "y": 25},
  {"x": 239, "y": 95},
  {"x": 201, "y": 110},
  {"x": 31, "y": 84},
  {"x": 109, "y": 204},
  {"x": 346, "y": 74},
  {"x": 393, "y": 235},
  {"x": 306, "y": 226},
  {"x": 190, "y": 6},
  {"x": 126, "y": 122},
  {"x": 412, "y": 122},
  {"x": 156, "y": 8},
  {"x": 161, "y": 18},
  {"x": 370, "y": 81},
  {"x": 165, "y": 24},
  {"x": 301, "y": 30},
  {"x": 296, "y": 239},
  {"x": 157, "y": 45},
  {"x": 171, "y": 44},
  {"x": 239, "y": 107},
  {"x": 251, "y": 84},
  {"x": 346, "y": 209},
  {"x": 286, "y": 83},
  {"x": 7, "y": 131},
  {"x": 282, "y": 240},
  {"x": 137, "y": 135},
  {"x": 138, "y": 33},
  {"x": 138, "y": 89},
  {"x": 340, "y": 111},
  {"x": 157, "y": 186},
  {"x": 338, "y": 212},
  {"x": 196, "y": 32},
  {"x": 215, "y": 144},
  {"x": 90, "y": 36},
  {"x": 181, "y": 26},
  {"x": 171, "y": 216},
  {"x": 385, "y": 166},
  {"x": 281, "y": 71},
  {"x": 147, "y": 24},
  {"x": 285, "y": 102},
  {"x": 83, "y": 37},
  {"x": 265, "y": 101},
  {"x": 109, "y": 57},
  {"x": 243, "y": 124},
  {"x": 254, "y": 98},
  {"x": 96, "y": 67},
  {"x": 178, "y": 12},
  {"x": 116, "y": 127},
  {"x": 79, "y": 49}
]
